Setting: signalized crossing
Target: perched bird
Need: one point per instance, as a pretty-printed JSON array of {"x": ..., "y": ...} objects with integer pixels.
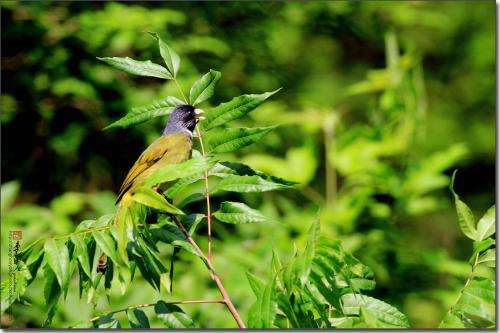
[{"x": 173, "y": 146}]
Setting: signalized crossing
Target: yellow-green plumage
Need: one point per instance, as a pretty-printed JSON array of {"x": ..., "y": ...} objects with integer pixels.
[{"x": 167, "y": 149}]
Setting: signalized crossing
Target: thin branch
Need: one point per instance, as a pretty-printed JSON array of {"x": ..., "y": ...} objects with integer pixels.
[
  {"x": 215, "y": 277},
  {"x": 153, "y": 304},
  {"x": 207, "y": 197}
]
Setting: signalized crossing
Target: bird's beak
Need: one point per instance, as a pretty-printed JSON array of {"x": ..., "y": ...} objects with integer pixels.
[{"x": 198, "y": 113}]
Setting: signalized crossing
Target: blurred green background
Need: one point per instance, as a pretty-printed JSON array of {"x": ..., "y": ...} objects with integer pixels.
[{"x": 380, "y": 103}]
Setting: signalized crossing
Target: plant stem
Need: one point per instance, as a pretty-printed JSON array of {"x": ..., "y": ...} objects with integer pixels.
[
  {"x": 466, "y": 283},
  {"x": 182, "y": 93},
  {"x": 153, "y": 304},
  {"x": 207, "y": 196},
  {"x": 215, "y": 277}
]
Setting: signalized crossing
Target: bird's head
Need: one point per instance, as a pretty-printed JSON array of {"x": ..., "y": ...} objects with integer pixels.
[{"x": 182, "y": 119}]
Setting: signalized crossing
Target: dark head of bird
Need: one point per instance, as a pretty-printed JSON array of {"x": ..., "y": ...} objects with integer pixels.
[{"x": 182, "y": 119}]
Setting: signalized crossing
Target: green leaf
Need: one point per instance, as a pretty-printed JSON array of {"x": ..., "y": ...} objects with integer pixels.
[
  {"x": 171, "y": 58},
  {"x": 143, "y": 68},
  {"x": 123, "y": 224},
  {"x": 232, "y": 139},
  {"x": 263, "y": 312},
  {"x": 234, "y": 109},
  {"x": 238, "y": 213},
  {"x": 486, "y": 225},
  {"x": 465, "y": 216},
  {"x": 82, "y": 253},
  {"x": 170, "y": 234},
  {"x": 193, "y": 166},
  {"x": 106, "y": 244},
  {"x": 226, "y": 169},
  {"x": 172, "y": 316},
  {"x": 385, "y": 315},
  {"x": 57, "y": 256},
  {"x": 204, "y": 88},
  {"x": 150, "y": 198},
  {"x": 245, "y": 184},
  {"x": 106, "y": 321},
  {"x": 137, "y": 116},
  {"x": 255, "y": 283},
  {"x": 312, "y": 239},
  {"x": 51, "y": 292},
  {"x": 479, "y": 247},
  {"x": 137, "y": 319},
  {"x": 487, "y": 258},
  {"x": 475, "y": 307},
  {"x": 14, "y": 286}
]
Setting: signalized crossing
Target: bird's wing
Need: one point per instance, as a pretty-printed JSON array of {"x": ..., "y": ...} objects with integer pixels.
[{"x": 173, "y": 148}]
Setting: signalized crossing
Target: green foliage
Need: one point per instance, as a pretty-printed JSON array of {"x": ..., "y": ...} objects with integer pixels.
[
  {"x": 475, "y": 306},
  {"x": 320, "y": 288}
]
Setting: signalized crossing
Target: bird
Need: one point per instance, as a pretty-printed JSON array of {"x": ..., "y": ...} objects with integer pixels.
[{"x": 173, "y": 146}]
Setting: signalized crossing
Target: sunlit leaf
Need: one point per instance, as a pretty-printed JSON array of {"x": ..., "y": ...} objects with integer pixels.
[
  {"x": 81, "y": 253},
  {"x": 487, "y": 258},
  {"x": 172, "y": 316},
  {"x": 475, "y": 308},
  {"x": 232, "y": 139},
  {"x": 244, "y": 184},
  {"x": 106, "y": 321},
  {"x": 386, "y": 315},
  {"x": 486, "y": 225},
  {"x": 143, "y": 68},
  {"x": 171, "y": 58},
  {"x": 466, "y": 219},
  {"x": 234, "y": 109},
  {"x": 150, "y": 198},
  {"x": 57, "y": 256},
  {"x": 238, "y": 213},
  {"x": 255, "y": 283},
  {"x": 9, "y": 191},
  {"x": 263, "y": 311},
  {"x": 204, "y": 88},
  {"x": 106, "y": 244}
]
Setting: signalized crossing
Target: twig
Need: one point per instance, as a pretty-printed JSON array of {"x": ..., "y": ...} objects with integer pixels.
[
  {"x": 207, "y": 196},
  {"x": 153, "y": 304},
  {"x": 215, "y": 277}
]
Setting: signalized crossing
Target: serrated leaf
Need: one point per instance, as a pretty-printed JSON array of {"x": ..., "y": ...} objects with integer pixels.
[
  {"x": 82, "y": 253},
  {"x": 232, "y": 139},
  {"x": 486, "y": 225},
  {"x": 106, "y": 244},
  {"x": 386, "y": 315},
  {"x": 245, "y": 184},
  {"x": 143, "y": 68},
  {"x": 57, "y": 256},
  {"x": 234, "y": 109},
  {"x": 238, "y": 213},
  {"x": 137, "y": 319},
  {"x": 51, "y": 292},
  {"x": 204, "y": 88},
  {"x": 173, "y": 316},
  {"x": 13, "y": 291},
  {"x": 171, "y": 58},
  {"x": 312, "y": 239},
  {"x": 466, "y": 219}
]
